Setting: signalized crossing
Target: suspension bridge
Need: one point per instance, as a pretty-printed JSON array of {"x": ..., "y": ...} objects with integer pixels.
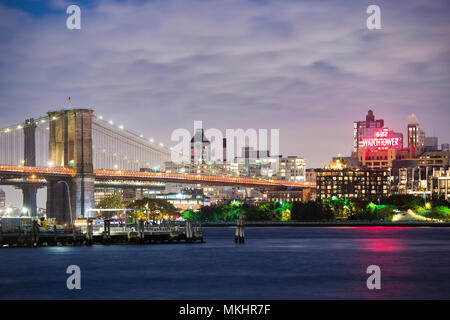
[{"x": 72, "y": 151}]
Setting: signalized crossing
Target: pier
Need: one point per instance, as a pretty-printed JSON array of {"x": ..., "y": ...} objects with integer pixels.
[{"x": 142, "y": 232}]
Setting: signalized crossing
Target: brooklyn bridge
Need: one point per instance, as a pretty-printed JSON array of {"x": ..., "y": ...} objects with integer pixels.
[{"x": 71, "y": 152}]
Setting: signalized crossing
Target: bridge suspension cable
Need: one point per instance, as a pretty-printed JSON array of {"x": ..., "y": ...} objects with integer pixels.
[
  {"x": 12, "y": 142},
  {"x": 118, "y": 148}
]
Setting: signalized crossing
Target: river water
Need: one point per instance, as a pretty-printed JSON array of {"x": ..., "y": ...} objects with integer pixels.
[{"x": 274, "y": 263}]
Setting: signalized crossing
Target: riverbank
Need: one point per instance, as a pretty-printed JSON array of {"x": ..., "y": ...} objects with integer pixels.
[{"x": 330, "y": 224}]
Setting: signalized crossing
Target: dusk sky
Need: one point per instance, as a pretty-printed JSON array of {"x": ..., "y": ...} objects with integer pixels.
[{"x": 308, "y": 68}]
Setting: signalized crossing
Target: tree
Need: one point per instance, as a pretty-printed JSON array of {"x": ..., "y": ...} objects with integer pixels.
[
  {"x": 311, "y": 211},
  {"x": 157, "y": 208},
  {"x": 283, "y": 210},
  {"x": 210, "y": 213},
  {"x": 190, "y": 215},
  {"x": 232, "y": 211},
  {"x": 113, "y": 201},
  {"x": 254, "y": 213},
  {"x": 404, "y": 202}
]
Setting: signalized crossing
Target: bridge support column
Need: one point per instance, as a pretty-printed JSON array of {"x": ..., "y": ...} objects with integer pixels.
[
  {"x": 84, "y": 196},
  {"x": 29, "y": 152},
  {"x": 29, "y": 159},
  {"x": 58, "y": 201},
  {"x": 29, "y": 200}
]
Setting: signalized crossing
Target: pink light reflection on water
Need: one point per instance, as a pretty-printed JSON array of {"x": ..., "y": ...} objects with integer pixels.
[
  {"x": 385, "y": 247},
  {"x": 383, "y": 240},
  {"x": 382, "y": 245}
]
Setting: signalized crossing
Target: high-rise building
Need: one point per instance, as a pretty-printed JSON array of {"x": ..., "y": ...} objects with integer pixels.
[
  {"x": 430, "y": 144},
  {"x": 416, "y": 136},
  {"x": 291, "y": 168},
  {"x": 381, "y": 147},
  {"x": 352, "y": 183},
  {"x": 199, "y": 147},
  {"x": 365, "y": 128},
  {"x": 310, "y": 175},
  {"x": 427, "y": 175},
  {"x": 254, "y": 163},
  {"x": 2, "y": 198}
]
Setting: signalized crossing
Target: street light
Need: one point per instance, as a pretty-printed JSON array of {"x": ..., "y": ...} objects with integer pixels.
[{"x": 70, "y": 204}]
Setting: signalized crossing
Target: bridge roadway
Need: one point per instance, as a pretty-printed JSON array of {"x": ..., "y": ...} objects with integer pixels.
[{"x": 31, "y": 174}]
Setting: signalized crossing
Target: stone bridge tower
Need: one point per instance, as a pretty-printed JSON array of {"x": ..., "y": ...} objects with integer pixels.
[
  {"x": 70, "y": 146},
  {"x": 29, "y": 159}
]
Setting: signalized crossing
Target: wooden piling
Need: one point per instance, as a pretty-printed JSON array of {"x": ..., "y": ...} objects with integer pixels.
[
  {"x": 188, "y": 231},
  {"x": 236, "y": 232},
  {"x": 239, "y": 235},
  {"x": 89, "y": 232},
  {"x": 55, "y": 235},
  {"x": 106, "y": 231},
  {"x": 141, "y": 231},
  {"x": 34, "y": 234}
]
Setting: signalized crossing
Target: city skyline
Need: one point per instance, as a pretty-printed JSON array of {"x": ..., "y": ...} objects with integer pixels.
[
  {"x": 224, "y": 158},
  {"x": 310, "y": 70}
]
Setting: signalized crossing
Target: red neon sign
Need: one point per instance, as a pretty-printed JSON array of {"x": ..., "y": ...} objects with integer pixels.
[{"x": 381, "y": 140}]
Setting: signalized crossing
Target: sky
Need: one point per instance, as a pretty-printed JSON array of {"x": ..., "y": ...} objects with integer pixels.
[{"x": 307, "y": 68}]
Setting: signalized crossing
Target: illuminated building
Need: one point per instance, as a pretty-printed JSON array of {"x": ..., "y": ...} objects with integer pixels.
[
  {"x": 2, "y": 198},
  {"x": 374, "y": 145},
  {"x": 254, "y": 163},
  {"x": 292, "y": 195},
  {"x": 310, "y": 175},
  {"x": 128, "y": 193},
  {"x": 365, "y": 128},
  {"x": 382, "y": 139},
  {"x": 435, "y": 159},
  {"x": 219, "y": 194},
  {"x": 416, "y": 136},
  {"x": 424, "y": 175},
  {"x": 199, "y": 148},
  {"x": 347, "y": 183},
  {"x": 349, "y": 162},
  {"x": 292, "y": 168},
  {"x": 187, "y": 200},
  {"x": 381, "y": 159},
  {"x": 421, "y": 181},
  {"x": 379, "y": 150},
  {"x": 443, "y": 183}
]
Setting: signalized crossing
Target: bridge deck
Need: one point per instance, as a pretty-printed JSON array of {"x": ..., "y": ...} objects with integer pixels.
[{"x": 35, "y": 173}]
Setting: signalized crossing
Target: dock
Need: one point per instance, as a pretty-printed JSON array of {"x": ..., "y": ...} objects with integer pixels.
[{"x": 35, "y": 235}]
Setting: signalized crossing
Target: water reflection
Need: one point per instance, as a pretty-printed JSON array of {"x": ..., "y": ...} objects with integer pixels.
[
  {"x": 386, "y": 248},
  {"x": 274, "y": 263}
]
